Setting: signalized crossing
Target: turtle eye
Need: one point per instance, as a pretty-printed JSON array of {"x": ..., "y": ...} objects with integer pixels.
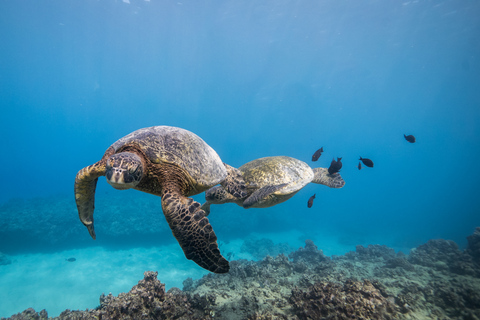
[{"x": 127, "y": 177}]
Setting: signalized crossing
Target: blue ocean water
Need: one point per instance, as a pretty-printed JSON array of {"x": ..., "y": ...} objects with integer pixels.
[{"x": 253, "y": 79}]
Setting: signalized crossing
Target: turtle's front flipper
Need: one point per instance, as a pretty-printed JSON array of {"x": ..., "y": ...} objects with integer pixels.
[
  {"x": 234, "y": 182},
  {"x": 321, "y": 176},
  {"x": 261, "y": 194},
  {"x": 85, "y": 184},
  {"x": 193, "y": 231}
]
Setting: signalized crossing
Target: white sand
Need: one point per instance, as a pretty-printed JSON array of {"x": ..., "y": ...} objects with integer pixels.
[{"x": 48, "y": 281}]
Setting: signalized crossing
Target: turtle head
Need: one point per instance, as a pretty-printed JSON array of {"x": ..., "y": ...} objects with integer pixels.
[{"x": 124, "y": 170}]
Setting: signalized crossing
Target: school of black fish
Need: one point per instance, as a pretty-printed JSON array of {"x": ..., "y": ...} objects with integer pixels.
[{"x": 335, "y": 166}]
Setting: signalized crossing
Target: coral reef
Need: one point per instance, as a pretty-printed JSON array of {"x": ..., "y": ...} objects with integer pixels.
[
  {"x": 351, "y": 300},
  {"x": 436, "y": 281},
  {"x": 473, "y": 248},
  {"x": 444, "y": 255}
]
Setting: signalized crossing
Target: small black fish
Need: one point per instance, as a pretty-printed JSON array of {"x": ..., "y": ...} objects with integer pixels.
[
  {"x": 367, "y": 162},
  {"x": 359, "y": 166},
  {"x": 335, "y": 166},
  {"x": 310, "y": 201},
  {"x": 71, "y": 259},
  {"x": 317, "y": 154},
  {"x": 410, "y": 138}
]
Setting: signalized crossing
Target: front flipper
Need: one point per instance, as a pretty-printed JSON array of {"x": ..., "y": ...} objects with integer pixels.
[
  {"x": 261, "y": 194},
  {"x": 85, "y": 184},
  {"x": 193, "y": 231},
  {"x": 234, "y": 182},
  {"x": 321, "y": 176}
]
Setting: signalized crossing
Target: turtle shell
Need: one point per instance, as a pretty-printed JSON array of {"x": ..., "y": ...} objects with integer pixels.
[
  {"x": 164, "y": 144},
  {"x": 275, "y": 171}
]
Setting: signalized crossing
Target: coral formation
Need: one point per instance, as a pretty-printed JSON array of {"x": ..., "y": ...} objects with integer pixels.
[
  {"x": 436, "y": 281},
  {"x": 473, "y": 248}
]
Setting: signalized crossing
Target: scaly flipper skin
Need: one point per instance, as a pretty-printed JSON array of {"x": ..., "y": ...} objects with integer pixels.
[
  {"x": 321, "y": 176},
  {"x": 85, "y": 184},
  {"x": 206, "y": 208},
  {"x": 193, "y": 231},
  {"x": 261, "y": 194},
  {"x": 234, "y": 182}
]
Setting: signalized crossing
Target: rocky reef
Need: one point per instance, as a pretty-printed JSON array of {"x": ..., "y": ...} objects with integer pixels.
[{"x": 436, "y": 280}]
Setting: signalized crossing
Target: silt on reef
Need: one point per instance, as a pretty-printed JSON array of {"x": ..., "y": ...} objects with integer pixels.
[{"x": 436, "y": 281}]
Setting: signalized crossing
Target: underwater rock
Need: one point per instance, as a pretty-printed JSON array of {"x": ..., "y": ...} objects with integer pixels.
[
  {"x": 473, "y": 248},
  {"x": 399, "y": 262},
  {"x": 351, "y": 300},
  {"x": 4, "y": 260},
  {"x": 443, "y": 255},
  {"x": 148, "y": 300},
  {"x": 260, "y": 248},
  {"x": 435, "y": 251},
  {"x": 309, "y": 254},
  {"x": 371, "y": 253},
  {"x": 30, "y": 314},
  {"x": 371, "y": 283}
]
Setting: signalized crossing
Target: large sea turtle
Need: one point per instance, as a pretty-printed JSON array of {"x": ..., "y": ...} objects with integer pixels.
[
  {"x": 272, "y": 180},
  {"x": 172, "y": 163}
]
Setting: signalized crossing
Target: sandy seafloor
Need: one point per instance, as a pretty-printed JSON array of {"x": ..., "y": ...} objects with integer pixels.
[{"x": 48, "y": 281}]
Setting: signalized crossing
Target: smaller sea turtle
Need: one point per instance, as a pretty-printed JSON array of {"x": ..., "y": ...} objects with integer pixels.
[
  {"x": 172, "y": 163},
  {"x": 272, "y": 180}
]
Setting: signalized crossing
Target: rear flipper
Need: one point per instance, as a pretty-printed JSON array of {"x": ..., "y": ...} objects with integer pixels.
[
  {"x": 193, "y": 232},
  {"x": 206, "y": 207},
  {"x": 234, "y": 182},
  {"x": 261, "y": 194},
  {"x": 321, "y": 176},
  {"x": 218, "y": 195},
  {"x": 85, "y": 185}
]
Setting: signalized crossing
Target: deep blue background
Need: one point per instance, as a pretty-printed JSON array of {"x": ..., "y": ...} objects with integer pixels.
[{"x": 254, "y": 79}]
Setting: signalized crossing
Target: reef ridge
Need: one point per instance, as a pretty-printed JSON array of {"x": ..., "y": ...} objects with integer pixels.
[{"x": 436, "y": 280}]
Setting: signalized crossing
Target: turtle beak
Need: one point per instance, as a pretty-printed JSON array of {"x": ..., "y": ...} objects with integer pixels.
[{"x": 119, "y": 178}]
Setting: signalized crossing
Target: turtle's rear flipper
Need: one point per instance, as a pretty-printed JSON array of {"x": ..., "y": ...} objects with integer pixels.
[
  {"x": 321, "y": 176},
  {"x": 85, "y": 184},
  {"x": 261, "y": 194},
  {"x": 234, "y": 182},
  {"x": 206, "y": 207},
  {"x": 193, "y": 232}
]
